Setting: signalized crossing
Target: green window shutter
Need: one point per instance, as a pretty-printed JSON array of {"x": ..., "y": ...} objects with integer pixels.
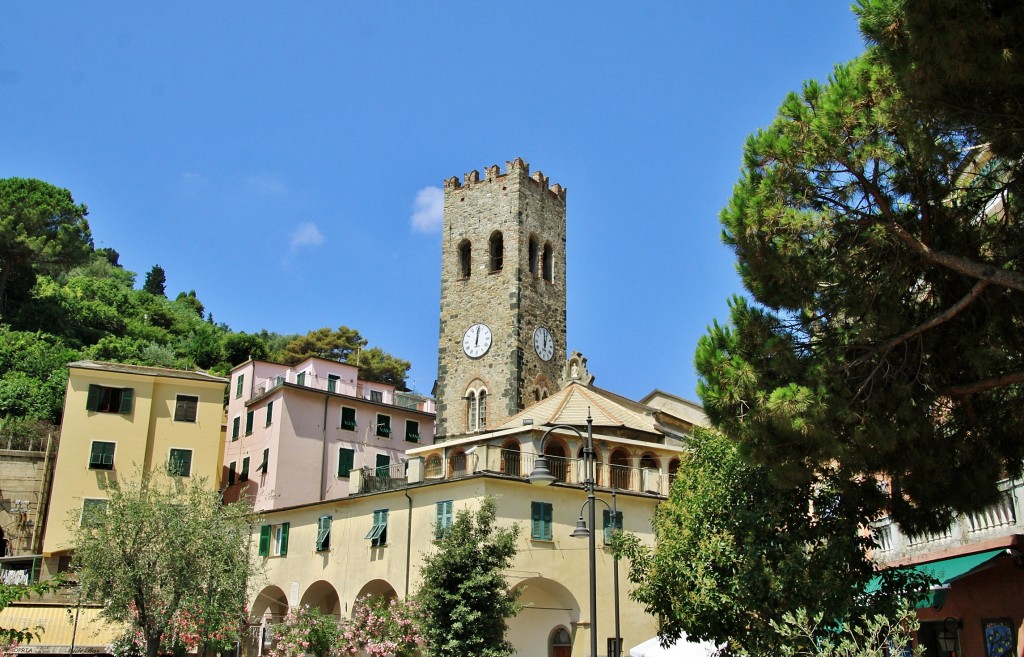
[
  {"x": 264, "y": 541},
  {"x": 248, "y": 422},
  {"x": 92, "y": 402},
  {"x": 270, "y": 412},
  {"x": 383, "y": 465},
  {"x": 284, "y": 538},
  {"x": 383, "y": 538},
  {"x": 412, "y": 431},
  {"x": 235, "y": 424},
  {"x": 231, "y": 473},
  {"x": 266, "y": 460},
  {"x": 300, "y": 378},
  {"x": 126, "y": 400},
  {"x": 346, "y": 461},
  {"x": 444, "y": 518},
  {"x": 536, "y": 520},
  {"x": 244, "y": 475},
  {"x": 238, "y": 385},
  {"x": 323, "y": 533},
  {"x": 547, "y": 522}
]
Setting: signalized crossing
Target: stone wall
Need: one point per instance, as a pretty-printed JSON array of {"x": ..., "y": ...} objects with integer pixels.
[{"x": 512, "y": 300}]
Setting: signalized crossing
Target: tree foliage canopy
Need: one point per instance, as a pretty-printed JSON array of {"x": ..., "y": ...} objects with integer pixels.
[
  {"x": 464, "y": 595},
  {"x": 156, "y": 281},
  {"x": 735, "y": 553},
  {"x": 41, "y": 227},
  {"x": 166, "y": 554},
  {"x": 884, "y": 265},
  {"x": 959, "y": 61},
  {"x": 348, "y": 346}
]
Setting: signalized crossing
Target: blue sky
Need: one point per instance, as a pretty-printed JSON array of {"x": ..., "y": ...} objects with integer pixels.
[{"x": 273, "y": 156}]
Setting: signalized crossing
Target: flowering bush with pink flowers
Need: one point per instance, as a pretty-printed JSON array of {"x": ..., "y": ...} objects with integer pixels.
[{"x": 379, "y": 628}]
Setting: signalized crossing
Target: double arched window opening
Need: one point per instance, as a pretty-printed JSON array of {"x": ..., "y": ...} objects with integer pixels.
[{"x": 476, "y": 410}]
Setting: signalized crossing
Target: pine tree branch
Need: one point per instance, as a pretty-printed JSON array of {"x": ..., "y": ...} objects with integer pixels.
[
  {"x": 981, "y": 385},
  {"x": 941, "y": 318}
]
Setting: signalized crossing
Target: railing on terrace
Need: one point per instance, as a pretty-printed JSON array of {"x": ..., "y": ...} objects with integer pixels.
[
  {"x": 997, "y": 520},
  {"x": 491, "y": 459},
  {"x": 359, "y": 390}
]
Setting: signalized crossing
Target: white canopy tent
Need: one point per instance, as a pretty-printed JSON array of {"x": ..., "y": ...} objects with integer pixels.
[{"x": 681, "y": 648}]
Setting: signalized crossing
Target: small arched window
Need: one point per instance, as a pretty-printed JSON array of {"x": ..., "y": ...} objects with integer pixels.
[
  {"x": 532, "y": 255},
  {"x": 548, "y": 264},
  {"x": 497, "y": 250},
  {"x": 432, "y": 469},
  {"x": 471, "y": 410},
  {"x": 673, "y": 468},
  {"x": 465, "y": 259},
  {"x": 510, "y": 458}
]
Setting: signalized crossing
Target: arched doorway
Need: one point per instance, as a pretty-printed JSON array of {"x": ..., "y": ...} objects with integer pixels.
[
  {"x": 375, "y": 588},
  {"x": 560, "y": 643},
  {"x": 547, "y": 606},
  {"x": 457, "y": 464},
  {"x": 268, "y": 609}
]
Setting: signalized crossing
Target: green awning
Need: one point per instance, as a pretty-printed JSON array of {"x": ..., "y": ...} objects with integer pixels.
[{"x": 945, "y": 571}]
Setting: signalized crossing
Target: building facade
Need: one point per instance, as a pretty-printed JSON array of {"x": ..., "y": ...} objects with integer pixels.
[{"x": 294, "y": 433}]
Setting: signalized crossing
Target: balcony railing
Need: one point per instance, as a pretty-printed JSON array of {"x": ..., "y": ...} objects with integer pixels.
[
  {"x": 999, "y": 519},
  {"x": 513, "y": 463}
]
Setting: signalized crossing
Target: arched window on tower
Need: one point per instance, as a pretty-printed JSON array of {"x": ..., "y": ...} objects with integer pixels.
[
  {"x": 548, "y": 264},
  {"x": 497, "y": 250},
  {"x": 471, "y": 411},
  {"x": 476, "y": 409},
  {"x": 532, "y": 255},
  {"x": 465, "y": 261}
]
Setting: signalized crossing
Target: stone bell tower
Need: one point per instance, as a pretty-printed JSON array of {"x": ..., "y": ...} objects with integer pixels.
[{"x": 502, "y": 335}]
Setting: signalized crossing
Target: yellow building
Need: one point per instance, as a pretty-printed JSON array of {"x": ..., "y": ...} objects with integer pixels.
[
  {"x": 119, "y": 422},
  {"x": 329, "y": 554}
]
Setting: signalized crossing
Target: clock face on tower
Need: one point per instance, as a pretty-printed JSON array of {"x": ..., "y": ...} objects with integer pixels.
[
  {"x": 543, "y": 343},
  {"x": 477, "y": 340}
]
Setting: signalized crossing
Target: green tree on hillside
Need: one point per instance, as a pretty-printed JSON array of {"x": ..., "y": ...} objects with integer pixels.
[
  {"x": 375, "y": 364},
  {"x": 240, "y": 347},
  {"x": 169, "y": 560},
  {"x": 156, "y": 281},
  {"x": 324, "y": 343},
  {"x": 465, "y": 598},
  {"x": 42, "y": 230},
  {"x": 887, "y": 303}
]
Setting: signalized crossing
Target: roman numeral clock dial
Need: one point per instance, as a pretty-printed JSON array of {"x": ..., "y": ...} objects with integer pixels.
[
  {"x": 543, "y": 343},
  {"x": 477, "y": 340}
]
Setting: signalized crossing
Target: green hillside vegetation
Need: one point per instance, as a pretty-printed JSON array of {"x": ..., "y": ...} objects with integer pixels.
[{"x": 62, "y": 300}]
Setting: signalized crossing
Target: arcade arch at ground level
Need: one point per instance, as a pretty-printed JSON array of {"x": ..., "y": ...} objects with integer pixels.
[{"x": 547, "y": 607}]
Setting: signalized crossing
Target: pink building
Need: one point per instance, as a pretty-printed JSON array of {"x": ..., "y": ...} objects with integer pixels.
[{"x": 295, "y": 432}]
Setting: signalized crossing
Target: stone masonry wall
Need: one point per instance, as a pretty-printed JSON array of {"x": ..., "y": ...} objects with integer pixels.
[{"x": 511, "y": 301}]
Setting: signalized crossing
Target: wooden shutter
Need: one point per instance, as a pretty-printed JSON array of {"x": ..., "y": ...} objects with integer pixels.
[
  {"x": 270, "y": 412},
  {"x": 346, "y": 459},
  {"x": 547, "y": 521},
  {"x": 284, "y": 538},
  {"x": 536, "y": 520},
  {"x": 248, "y": 422},
  {"x": 92, "y": 402},
  {"x": 264, "y": 540},
  {"x": 127, "y": 394}
]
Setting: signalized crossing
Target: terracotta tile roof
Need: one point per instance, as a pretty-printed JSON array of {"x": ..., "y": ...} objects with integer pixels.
[{"x": 572, "y": 404}]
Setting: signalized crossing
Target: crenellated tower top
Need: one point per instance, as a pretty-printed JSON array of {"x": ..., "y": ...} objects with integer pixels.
[{"x": 492, "y": 174}]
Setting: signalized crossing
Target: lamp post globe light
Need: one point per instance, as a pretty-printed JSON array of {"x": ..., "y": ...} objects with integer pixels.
[{"x": 541, "y": 476}]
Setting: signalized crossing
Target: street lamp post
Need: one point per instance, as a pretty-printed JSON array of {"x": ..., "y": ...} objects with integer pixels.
[
  {"x": 541, "y": 476},
  {"x": 583, "y": 531}
]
